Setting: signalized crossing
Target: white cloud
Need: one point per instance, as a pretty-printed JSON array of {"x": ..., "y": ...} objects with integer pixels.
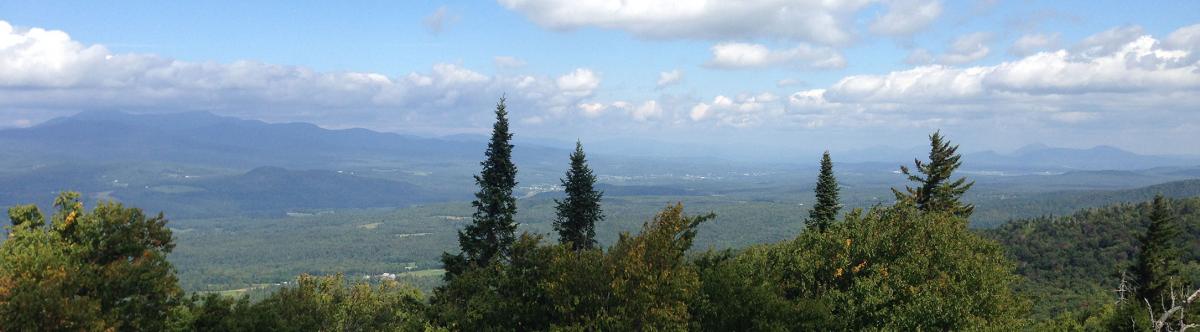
[
  {"x": 439, "y": 20},
  {"x": 1033, "y": 43},
  {"x": 1186, "y": 38},
  {"x": 745, "y": 55},
  {"x": 1108, "y": 41},
  {"x": 580, "y": 82},
  {"x": 821, "y": 22},
  {"x": 668, "y": 78},
  {"x": 649, "y": 110},
  {"x": 1141, "y": 65},
  {"x": 508, "y": 62},
  {"x": 906, "y": 17},
  {"x": 741, "y": 111},
  {"x": 1142, "y": 81},
  {"x": 46, "y": 70},
  {"x": 699, "y": 112},
  {"x": 967, "y": 48},
  {"x": 592, "y": 110}
]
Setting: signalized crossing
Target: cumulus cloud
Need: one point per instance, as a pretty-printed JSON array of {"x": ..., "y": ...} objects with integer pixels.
[
  {"x": 821, "y": 22},
  {"x": 906, "y": 17},
  {"x": 1033, "y": 43},
  {"x": 740, "y": 111},
  {"x": 592, "y": 110},
  {"x": 580, "y": 82},
  {"x": 47, "y": 70},
  {"x": 1098, "y": 80},
  {"x": 1108, "y": 41},
  {"x": 668, "y": 78},
  {"x": 1186, "y": 38},
  {"x": 1143, "y": 80},
  {"x": 648, "y": 110},
  {"x": 745, "y": 55},
  {"x": 967, "y": 48}
]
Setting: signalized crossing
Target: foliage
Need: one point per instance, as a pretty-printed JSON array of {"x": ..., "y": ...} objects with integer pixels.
[
  {"x": 729, "y": 301},
  {"x": 643, "y": 282},
  {"x": 895, "y": 268},
  {"x": 491, "y": 233},
  {"x": 825, "y": 211},
  {"x": 578, "y": 213},
  {"x": 101, "y": 269},
  {"x": 1156, "y": 267},
  {"x": 933, "y": 192},
  {"x": 313, "y": 304},
  {"x": 1073, "y": 263}
]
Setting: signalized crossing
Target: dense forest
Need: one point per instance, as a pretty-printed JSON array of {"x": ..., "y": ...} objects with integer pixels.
[{"x": 912, "y": 264}]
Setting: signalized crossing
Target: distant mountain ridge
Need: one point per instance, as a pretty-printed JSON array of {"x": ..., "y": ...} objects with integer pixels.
[
  {"x": 1101, "y": 157},
  {"x": 205, "y": 138}
]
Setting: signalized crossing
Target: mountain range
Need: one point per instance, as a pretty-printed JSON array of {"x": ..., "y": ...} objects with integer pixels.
[{"x": 199, "y": 164}]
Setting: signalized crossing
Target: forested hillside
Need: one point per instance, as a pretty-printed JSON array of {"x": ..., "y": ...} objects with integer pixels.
[{"x": 1075, "y": 262}]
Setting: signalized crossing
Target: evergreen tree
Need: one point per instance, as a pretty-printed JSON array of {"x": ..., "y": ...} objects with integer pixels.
[
  {"x": 492, "y": 229},
  {"x": 935, "y": 190},
  {"x": 580, "y": 210},
  {"x": 1157, "y": 264},
  {"x": 826, "y": 209}
]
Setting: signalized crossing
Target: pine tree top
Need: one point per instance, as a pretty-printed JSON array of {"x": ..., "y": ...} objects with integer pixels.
[
  {"x": 825, "y": 211},
  {"x": 579, "y": 211},
  {"x": 935, "y": 190},
  {"x": 492, "y": 230}
]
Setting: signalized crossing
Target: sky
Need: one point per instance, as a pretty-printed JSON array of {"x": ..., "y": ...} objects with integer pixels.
[{"x": 738, "y": 78}]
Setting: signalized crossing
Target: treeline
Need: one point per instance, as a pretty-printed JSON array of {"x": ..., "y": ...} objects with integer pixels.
[{"x": 912, "y": 265}]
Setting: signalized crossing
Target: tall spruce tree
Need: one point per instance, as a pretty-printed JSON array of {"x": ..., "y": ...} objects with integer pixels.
[
  {"x": 580, "y": 210},
  {"x": 826, "y": 209},
  {"x": 935, "y": 191},
  {"x": 492, "y": 229},
  {"x": 1157, "y": 264}
]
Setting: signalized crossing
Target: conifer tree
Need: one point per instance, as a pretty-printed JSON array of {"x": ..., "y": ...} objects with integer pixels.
[
  {"x": 580, "y": 210},
  {"x": 935, "y": 191},
  {"x": 1157, "y": 264},
  {"x": 492, "y": 229},
  {"x": 826, "y": 209}
]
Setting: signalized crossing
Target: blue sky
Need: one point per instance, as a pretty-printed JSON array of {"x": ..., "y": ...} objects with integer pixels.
[{"x": 771, "y": 75}]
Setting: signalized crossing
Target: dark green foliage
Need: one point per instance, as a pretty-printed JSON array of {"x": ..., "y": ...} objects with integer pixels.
[
  {"x": 895, "y": 268},
  {"x": 1156, "y": 267},
  {"x": 89, "y": 270},
  {"x": 825, "y": 211},
  {"x": 643, "y": 282},
  {"x": 492, "y": 231},
  {"x": 499, "y": 296},
  {"x": 578, "y": 213},
  {"x": 935, "y": 191},
  {"x": 729, "y": 301},
  {"x": 1074, "y": 263}
]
